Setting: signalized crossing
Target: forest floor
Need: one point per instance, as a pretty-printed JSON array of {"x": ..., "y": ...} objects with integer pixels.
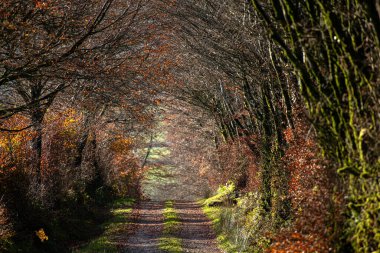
[{"x": 194, "y": 232}]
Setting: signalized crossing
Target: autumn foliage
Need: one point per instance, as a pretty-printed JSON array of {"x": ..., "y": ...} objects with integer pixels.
[
  {"x": 315, "y": 203},
  {"x": 277, "y": 99},
  {"x": 78, "y": 86}
]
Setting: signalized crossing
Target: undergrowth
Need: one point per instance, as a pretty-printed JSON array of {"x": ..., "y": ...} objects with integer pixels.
[
  {"x": 240, "y": 227},
  {"x": 223, "y": 194},
  {"x": 116, "y": 225}
]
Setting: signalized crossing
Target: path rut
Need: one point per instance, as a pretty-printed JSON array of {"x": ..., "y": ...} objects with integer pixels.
[
  {"x": 147, "y": 224},
  {"x": 195, "y": 231}
]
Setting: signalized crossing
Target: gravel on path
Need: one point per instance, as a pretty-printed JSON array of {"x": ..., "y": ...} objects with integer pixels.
[
  {"x": 147, "y": 224},
  {"x": 196, "y": 229}
]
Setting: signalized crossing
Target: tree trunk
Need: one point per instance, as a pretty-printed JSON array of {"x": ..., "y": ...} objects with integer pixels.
[
  {"x": 88, "y": 118},
  {"x": 37, "y": 117}
]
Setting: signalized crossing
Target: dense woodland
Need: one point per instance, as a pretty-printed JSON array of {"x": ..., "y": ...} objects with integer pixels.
[{"x": 276, "y": 103}]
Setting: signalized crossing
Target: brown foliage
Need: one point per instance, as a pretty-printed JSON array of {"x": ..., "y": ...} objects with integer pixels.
[{"x": 312, "y": 190}]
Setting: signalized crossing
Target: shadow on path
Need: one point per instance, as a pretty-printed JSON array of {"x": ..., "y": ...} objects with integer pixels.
[
  {"x": 147, "y": 223},
  {"x": 196, "y": 229}
]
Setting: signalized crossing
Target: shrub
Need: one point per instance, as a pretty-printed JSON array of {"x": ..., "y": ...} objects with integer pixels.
[{"x": 224, "y": 195}]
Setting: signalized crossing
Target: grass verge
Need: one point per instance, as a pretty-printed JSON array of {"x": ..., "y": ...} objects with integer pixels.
[
  {"x": 214, "y": 214},
  {"x": 116, "y": 225},
  {"x": 213, "y": 208},
  {"x": 169, "y": 242},
  {"x": 240, "y": 225}
]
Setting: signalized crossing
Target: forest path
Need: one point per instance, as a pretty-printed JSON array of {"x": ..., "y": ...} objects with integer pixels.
[
  {"x": 147, "y": 219},
  {"x": 196, "y": 231},
  {"x": 147, "y": 224}
]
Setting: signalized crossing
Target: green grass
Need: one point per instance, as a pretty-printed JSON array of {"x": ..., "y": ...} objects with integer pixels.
[
  {"x": 169, "y": 242},
  {"x": 222, "y": 195},
  {"x": 159, "y": 153},
  {"x": 160, "y": 136},
  {"x": 116, "y": 225},
  {"x": 213, "y": 208},
  {"x": 159, "y": 174},
  {"x": 240, "y": 227},
  {"x": 157, "y": 180},
  {"x": 214, "y": 214},
  {"x": 171, "y": 222},
  {"x": 99, "y": 245}
]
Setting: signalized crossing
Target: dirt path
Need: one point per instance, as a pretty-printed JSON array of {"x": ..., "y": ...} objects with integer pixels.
[
  {"x": 147, "y": 223},
  {"x": 196, "y": 232}
]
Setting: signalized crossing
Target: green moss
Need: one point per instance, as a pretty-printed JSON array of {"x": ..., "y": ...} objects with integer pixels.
[
  {"x": 338, "y": 83},
  {"x": 223, "y": 194}
]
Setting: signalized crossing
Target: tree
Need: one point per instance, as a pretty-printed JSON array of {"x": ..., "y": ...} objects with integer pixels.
[
  {"x": 51, "y": 45},
  {"x": 240, "y": 82},
  {"x": 334, "y": 46}
]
